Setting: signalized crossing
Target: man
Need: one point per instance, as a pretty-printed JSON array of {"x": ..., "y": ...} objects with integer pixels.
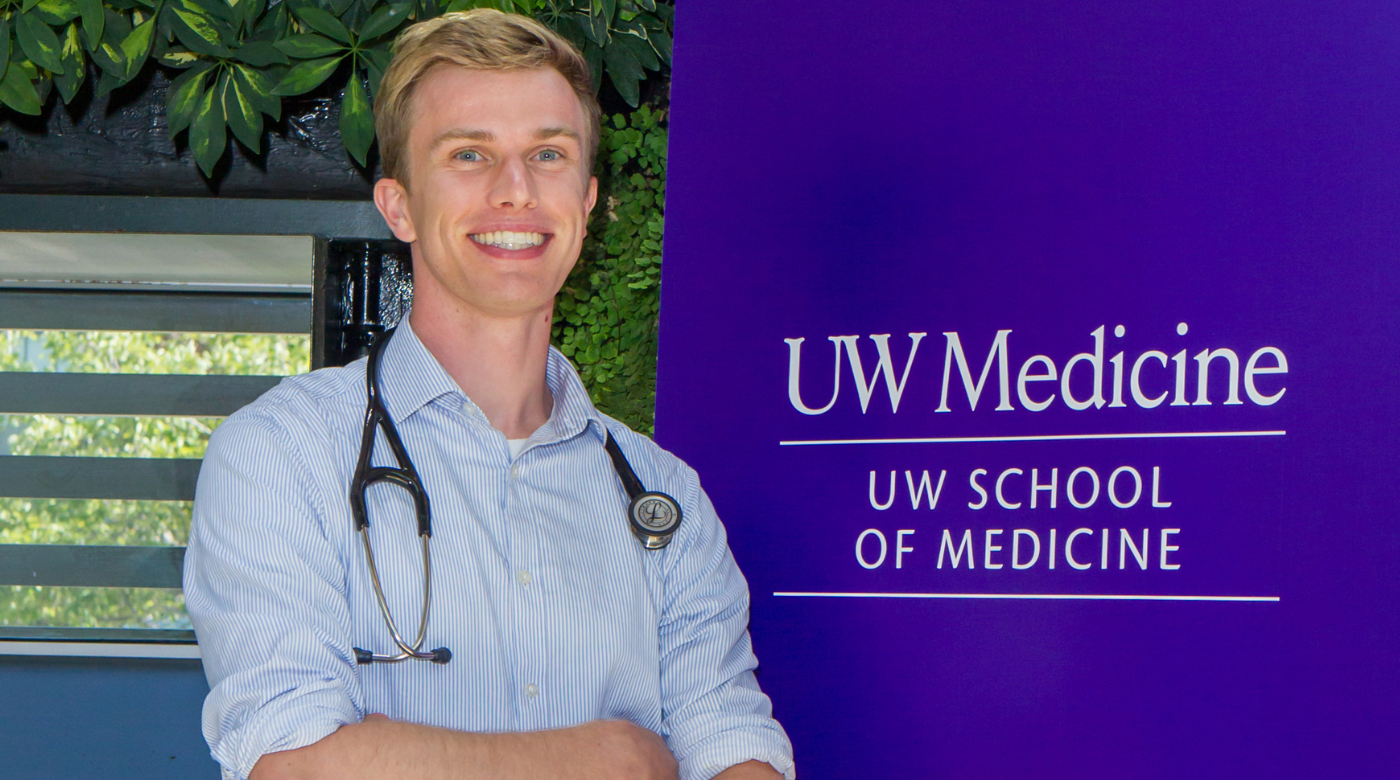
[{"x": 575, "y": 651}]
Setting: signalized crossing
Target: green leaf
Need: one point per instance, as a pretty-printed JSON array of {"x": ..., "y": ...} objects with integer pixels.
[
  {"x": 260, "y": 53},
  {"x": 74, "y": 65},
  {"x": 375, "y": 69},
  {"x": 136, "y": 46},
  {"x": 115, "y": 26},
  {"x": 208, "y": 137},
  {"x": 309, "y": 46},
  {"x": 625, "y": 72},
  {"x": 647, "y": 5},
  {"x": 596, "y": 28},
  {"x": 661, "y": 41},
  {"x": 38, "y": 43},
  {"x": 257, "y": 88},
  {"x": 107, "y": 83},
  {"x": 322, "y": 22},
  {"x": 110, "y": 59},
  {"x": 356, "y": 119},
  {"x": 198, "y": 32},
  {"x": 28, "y": 5},
  {"x": 571, "y": 31},
  {"x": 385, "y": 20},
  {"x": 378, "y": 58},
  {"x": 217, "y": 11},
  {"x": 608, "y": 10},
  {"x": 17, "y": 92},
  {"x": 593, "y": 55},
  {"x": 176, "y": 57},
  {"x": 243, "y": 118},
  {"x": 183, "y": 97},
  {"x": 306, "y": 76},
  {"x": 248, "y": 12},
  {"x": 4, "y": 46},
  {"x": 339, "y": 7},
  {"x": 57, "y": 12},
  {"x": 273, "y": 26},
  {"x": 91, "y": 11},
  {"x": 641, "y": 50}
]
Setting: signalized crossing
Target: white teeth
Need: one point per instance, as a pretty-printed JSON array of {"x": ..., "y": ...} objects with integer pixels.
[{"x": 508, "y": 239}]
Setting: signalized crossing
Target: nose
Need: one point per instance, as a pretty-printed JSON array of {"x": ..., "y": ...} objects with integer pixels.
[{"x": 514, "y": 186}]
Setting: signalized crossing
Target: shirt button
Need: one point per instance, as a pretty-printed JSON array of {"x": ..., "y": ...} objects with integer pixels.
[
  {"x": 515, "y": 471},
  {"x": 532, "y": 690},
  {"x": 523, "y": 576}
]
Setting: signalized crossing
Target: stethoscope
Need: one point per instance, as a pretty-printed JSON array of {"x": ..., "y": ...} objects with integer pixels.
[{"x": 654, "y": 517}]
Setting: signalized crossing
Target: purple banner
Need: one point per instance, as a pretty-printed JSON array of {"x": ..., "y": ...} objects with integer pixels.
[{"x": 1041, "y": 359}]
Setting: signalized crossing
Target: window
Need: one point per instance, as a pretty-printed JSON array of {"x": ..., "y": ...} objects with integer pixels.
[{"x": 119, "y": 354}]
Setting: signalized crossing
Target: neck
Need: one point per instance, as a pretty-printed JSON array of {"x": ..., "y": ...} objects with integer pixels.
[{"x": 499, "y": 362}]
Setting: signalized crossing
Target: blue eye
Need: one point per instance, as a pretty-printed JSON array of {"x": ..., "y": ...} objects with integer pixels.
[
  {"x": 469, "y": 156},
  {"x": 549, "y": 155}
]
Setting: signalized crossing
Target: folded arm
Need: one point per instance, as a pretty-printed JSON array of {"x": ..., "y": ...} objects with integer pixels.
[{"x": 380, "y": 748}]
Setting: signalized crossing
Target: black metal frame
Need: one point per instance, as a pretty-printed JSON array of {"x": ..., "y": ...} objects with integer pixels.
[
  {"x": 362, "y": 284},
  {"x": 362, "y": 289}
]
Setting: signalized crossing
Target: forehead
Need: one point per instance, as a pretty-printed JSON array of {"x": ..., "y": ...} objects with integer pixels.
[{"x": 502, "y": 102}]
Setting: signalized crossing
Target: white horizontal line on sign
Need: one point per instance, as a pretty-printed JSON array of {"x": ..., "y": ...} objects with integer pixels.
[
  {"x": 1026, "y": 596},
  {"x": 1050, "y": 437}
]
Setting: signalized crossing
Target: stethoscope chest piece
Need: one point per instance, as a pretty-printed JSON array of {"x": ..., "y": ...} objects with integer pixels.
[{"x": 654, "y": 518}]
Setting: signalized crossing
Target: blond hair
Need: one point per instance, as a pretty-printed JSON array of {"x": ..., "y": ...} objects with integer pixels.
[{"x": 480, "y": 39}]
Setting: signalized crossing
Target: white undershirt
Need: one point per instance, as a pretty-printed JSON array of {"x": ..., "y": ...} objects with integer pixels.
[{"x": 516, "y": 445}]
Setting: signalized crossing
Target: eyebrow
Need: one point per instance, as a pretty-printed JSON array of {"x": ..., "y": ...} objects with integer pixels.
[
  {"x": 486, "y": 136},
  {"x": 555, "y": 132},
  {"x": 460, "y": 134}
]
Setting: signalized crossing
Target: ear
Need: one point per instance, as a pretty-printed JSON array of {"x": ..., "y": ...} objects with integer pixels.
[
  {"x": 391, "y": 198},
  {"x": 592, "y": 201}
]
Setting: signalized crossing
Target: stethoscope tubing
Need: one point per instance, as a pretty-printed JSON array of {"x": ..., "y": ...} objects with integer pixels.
[{"x": 643, "y": 510}]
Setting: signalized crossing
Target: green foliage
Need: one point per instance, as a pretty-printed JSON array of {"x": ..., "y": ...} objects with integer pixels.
[
  {"x": 66, "y": 521},
  {"x": 605, "y": 317},
  {"x": 242, "y": 56}
]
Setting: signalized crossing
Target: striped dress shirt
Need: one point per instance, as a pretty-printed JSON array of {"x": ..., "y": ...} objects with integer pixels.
[{"x": 554, "y": 613}]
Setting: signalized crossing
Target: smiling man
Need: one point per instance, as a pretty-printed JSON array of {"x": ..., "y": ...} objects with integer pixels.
[{"x": 580, "y": 647}]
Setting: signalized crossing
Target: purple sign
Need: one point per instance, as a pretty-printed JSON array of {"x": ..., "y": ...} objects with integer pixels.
[{"x": 1040, "y": 358}]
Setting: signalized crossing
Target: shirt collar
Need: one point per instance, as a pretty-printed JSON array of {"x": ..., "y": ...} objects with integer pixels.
[
  {"x": 573, "y": 409},
  {"x": 412, "y": 378},
  {"x": 409, "y": 376}
]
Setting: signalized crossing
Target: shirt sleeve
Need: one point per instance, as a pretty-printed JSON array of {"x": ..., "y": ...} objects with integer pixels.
[
  {"x": 264, "y": 587},
  {"x": 713, "y": 714}
]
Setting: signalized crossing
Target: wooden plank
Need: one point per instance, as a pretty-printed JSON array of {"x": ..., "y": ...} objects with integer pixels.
[
  {"x": 91, "y": 566},
  {"x": 208, "y": 216},
  {"x": 136, "y": 479},
  {"x": 161, "y": 312},
  {"x": 156, "y": 395}
]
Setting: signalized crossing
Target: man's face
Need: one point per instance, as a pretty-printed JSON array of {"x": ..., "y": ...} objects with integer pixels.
[{"x": 498, "y": 196}]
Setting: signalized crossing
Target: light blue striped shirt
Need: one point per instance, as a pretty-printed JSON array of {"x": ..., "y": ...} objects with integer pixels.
[{"x": 553, "y": 611}]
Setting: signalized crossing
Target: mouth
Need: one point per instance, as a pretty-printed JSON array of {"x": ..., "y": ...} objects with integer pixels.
[{"x": 509, "y": 240}]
